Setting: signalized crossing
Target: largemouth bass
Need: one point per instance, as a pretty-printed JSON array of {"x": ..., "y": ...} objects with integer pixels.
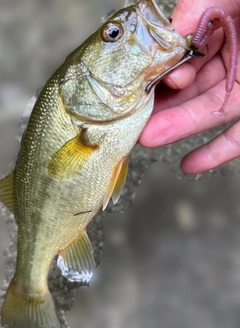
[{"x": 73, "y": 155}]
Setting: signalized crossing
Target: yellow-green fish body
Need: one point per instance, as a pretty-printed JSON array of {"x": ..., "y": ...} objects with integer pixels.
[{"x": 73, "y": 155}]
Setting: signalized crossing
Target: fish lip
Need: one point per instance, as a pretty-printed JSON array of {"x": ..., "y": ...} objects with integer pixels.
[
  {"x": 152, "y": 14},
  {"x": 159, "y": 25}
]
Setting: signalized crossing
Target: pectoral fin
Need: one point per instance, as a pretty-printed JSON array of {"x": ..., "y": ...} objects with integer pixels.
[
  {"x": 76, "y": 261},
  {"x": 117, "y": 182},
  {"x": 6, "y": 191},
  {"x": 70, "y": 158}
]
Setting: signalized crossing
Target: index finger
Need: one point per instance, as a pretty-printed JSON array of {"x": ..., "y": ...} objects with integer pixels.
[{"x": 191, "y": 117}]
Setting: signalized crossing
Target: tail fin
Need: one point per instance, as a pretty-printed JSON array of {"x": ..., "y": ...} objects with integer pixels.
[{"x": 25, "y": 312}]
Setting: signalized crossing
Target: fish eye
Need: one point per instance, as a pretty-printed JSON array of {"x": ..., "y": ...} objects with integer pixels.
[{"x": 112, "y": 32}]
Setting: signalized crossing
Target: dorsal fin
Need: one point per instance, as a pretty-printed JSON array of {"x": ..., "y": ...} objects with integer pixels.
[
  {"x": 26, "y": 114},
  {"x": 117, "y": 182},
  {"x": 6, "y": 191},
  {"x": 19, "y": 133}
]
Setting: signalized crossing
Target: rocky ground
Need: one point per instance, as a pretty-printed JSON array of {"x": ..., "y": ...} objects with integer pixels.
[{"x": 173, "y": 259}]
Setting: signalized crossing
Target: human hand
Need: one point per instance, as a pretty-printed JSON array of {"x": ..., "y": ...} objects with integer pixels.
[{"x": 197, "y": 89}]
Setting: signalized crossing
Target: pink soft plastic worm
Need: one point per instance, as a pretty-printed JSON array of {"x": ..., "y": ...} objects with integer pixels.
[{"x": 200, "y": 39}]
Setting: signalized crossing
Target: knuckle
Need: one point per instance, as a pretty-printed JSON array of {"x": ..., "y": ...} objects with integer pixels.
[
  {"x": 215, "y": 100},
  {"x": 232, "y": 140},
  {"x": 192, "y": 117}
]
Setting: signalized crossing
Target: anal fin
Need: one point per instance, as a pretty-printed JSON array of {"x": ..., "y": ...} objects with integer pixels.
[
  {"x": 6, "y": 191},
  {"x": 117, "y": 182},
  {"x": 76, "y": 261}
]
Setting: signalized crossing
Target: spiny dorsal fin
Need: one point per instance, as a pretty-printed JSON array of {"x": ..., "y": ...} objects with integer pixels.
[
  {"x": 70, "y": 159},
  {"x": 6, "y": 191},
  {"x": 117, "y": 182},
  {"x": 76, "y": 261}
]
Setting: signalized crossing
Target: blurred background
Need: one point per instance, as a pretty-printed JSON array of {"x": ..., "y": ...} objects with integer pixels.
[{"x": 173, "y": 259}]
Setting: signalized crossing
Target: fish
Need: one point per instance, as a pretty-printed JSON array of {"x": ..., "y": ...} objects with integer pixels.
[{"x": 74, "y": 153}]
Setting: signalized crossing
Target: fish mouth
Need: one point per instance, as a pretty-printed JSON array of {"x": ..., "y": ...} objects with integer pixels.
[
  {"x": 159, "y": 26},
  {"x": 193, "y": 52},
  {"x": 175, "y": 50}
]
